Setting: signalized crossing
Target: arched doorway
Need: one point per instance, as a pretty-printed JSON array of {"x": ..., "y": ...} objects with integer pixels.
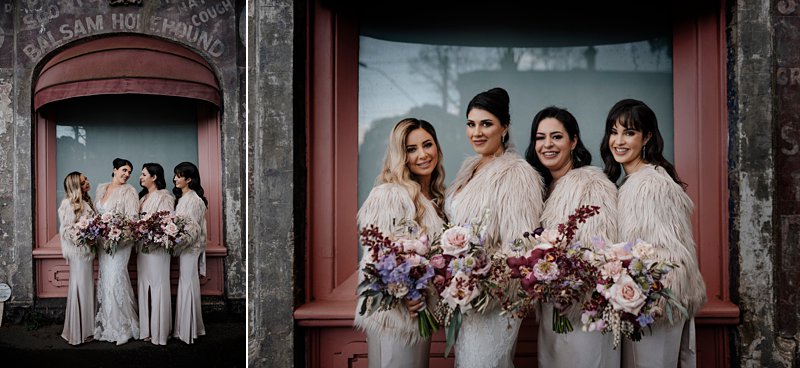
[{"x": 131, "y": 96}]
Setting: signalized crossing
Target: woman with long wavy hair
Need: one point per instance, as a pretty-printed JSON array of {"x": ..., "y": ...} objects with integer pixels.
[
  {"x": 653, "y": 206},
  {"x": 192, "y": 203},
  {"x": 499, "y": 180},
  {"x": 152, "y": 263},
  {"x": 409, "y": 187},
  {"x": 79, "y": 315},
  {"x": 557, "y": 152},
  {"x": 116, "y": 319}
]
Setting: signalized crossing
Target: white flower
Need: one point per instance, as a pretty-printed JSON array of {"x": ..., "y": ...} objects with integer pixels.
[
  {"x": 626, "y": 295},
  {"x": 171, "y": 229},
  {"x": 550, "y": 236},
  {"x": 612, "y": 270},
  {"x": 618, "y": 251},
  {"x": 644, "y": 250},
  {"x": 544, "y": 270},
  {"x": 106, "y": 217},
  {"x": 460, "y": 292},
  {"x": 397, "y": 290},
  {"x": 415, "y": 246},
  {"x": 114, "y": 234},
  {"x": 455, "y": 241}
]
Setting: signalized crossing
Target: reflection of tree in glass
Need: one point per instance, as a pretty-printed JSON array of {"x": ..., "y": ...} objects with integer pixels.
[{"x": 441, "y": 65}]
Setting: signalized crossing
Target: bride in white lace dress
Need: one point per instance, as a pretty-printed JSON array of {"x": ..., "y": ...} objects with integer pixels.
[
  {"x": 499, "y": 180},
  {"x": 116, "y": 319}
]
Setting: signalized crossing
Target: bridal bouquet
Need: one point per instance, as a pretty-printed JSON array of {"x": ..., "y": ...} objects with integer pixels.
[
  {"x": 397, "y": 269},
  {"x": 629, "y": 295},
  {"x": 85, "y": 231},
  {"x": 552, "y": 269},
  {"x": 465, "y": 277},
  {"x": 114, "y": 228},
  {"x": 163, "y": 229}
]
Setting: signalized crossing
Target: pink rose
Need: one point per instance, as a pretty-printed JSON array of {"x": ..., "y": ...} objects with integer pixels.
[
  {"x": 415, "y": 246},
  {"x": 438, "y": 261},
  {"x": 626, "y": 295},
  {"x": 455, "y": 241},
  {"x": 619, "y": 251},
  {"x": 612, "y": 270}
]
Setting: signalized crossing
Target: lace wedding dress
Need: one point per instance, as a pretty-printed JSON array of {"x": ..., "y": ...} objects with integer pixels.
[{"x": 116, "y": 319}]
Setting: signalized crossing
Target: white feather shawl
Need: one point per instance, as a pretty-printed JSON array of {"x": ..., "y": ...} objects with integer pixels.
[
  {"x": 191, "y": 205},
  {"x": 67, "y": 218},
  {"x": 385, "y": 205},
  {"x": 123, "y": 200},
  {"x": 583, "y": 186},
  {"x": 654, "y": 208},
  {"x": 160, "y": 200},
  {"x": 508, "y": 186}
]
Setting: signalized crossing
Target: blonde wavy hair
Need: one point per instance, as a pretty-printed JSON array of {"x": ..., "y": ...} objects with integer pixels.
[
  {"x": 395, "y": 169},
  {"x": 73, "y": 192}
]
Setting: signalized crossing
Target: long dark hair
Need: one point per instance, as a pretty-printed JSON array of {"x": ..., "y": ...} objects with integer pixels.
[
  {"x": 188, "y": 170},
  {"x": 156, "y": 170},
  {"x": 120, "y": 162},
  {"x": 636, "y": 115},
  {"x": 495, "y": 101},
  {"x": 580, "y": 155}
]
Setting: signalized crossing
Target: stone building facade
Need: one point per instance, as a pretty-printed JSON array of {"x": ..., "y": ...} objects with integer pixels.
[
  {"x": 759, "y": 115},
  {"x": 75, "y": 39}
]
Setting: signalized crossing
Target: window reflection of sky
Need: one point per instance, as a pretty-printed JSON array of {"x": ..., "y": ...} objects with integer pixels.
[
  {"x": 396, "y": 81},
  {"x": 391, "y": 79}
]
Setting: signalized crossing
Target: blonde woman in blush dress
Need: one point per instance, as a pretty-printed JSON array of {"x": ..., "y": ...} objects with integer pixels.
[
  {"x": 499, "y": 180},
  {"x": 193, "y": 204},
  {"x": 654, "y": 207},
  {"x": 558, "y": 154},
  {"x": 116, "y": 319},
  {"x": 409, "y": 187},
  {"x": 155, "y": 300},
  {"x": 79, "y": 315}
]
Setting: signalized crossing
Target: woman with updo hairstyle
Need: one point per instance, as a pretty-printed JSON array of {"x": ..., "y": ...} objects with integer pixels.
[
  {"x": 557, "y": 152},
  {"x": 116, "y": 319},
  {"x": 499, "y": 180},
  {"x": 192, "y": 204},
  {"x": 409, "y": 187},
  {"x": 654, "y": 207},
  {"x": 77, "y": 205},
  {"x": 152, "y": 262}
]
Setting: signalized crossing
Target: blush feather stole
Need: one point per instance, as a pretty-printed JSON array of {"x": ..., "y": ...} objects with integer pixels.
[
  {"x": 160, "y": 200},
  {"x": 191, "y": 205},
  {"x": 386, "y": 205},
  {"x": 510, "y": 188},
  {"x": 586, "y": 185},
  {"x": 506, "y": 185},
  {"x": 654, "y": 208},
  {"x": 124, "y": 200},
  {"x": 67, "y": 218}
]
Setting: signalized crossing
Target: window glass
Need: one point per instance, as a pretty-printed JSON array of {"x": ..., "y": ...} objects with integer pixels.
[
  {"x": 92, "y": 131},
  {"x": 435, "y": 82}
]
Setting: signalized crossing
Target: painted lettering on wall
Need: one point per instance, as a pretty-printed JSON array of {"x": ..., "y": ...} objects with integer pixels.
[
  {"x": 54, "y": 27},
  {"x": 789, "y": 139},
  {"x": 788, "y": 76},
  {"x": 787, "y": 7}
]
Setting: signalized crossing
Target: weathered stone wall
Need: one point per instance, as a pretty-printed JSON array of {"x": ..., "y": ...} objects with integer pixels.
[
  {"x": 43, "y": 27},
  {"x": 11, "y": 271},
  {"x": 275, "y": 143},
  {"x": 763, "y": 106}
]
